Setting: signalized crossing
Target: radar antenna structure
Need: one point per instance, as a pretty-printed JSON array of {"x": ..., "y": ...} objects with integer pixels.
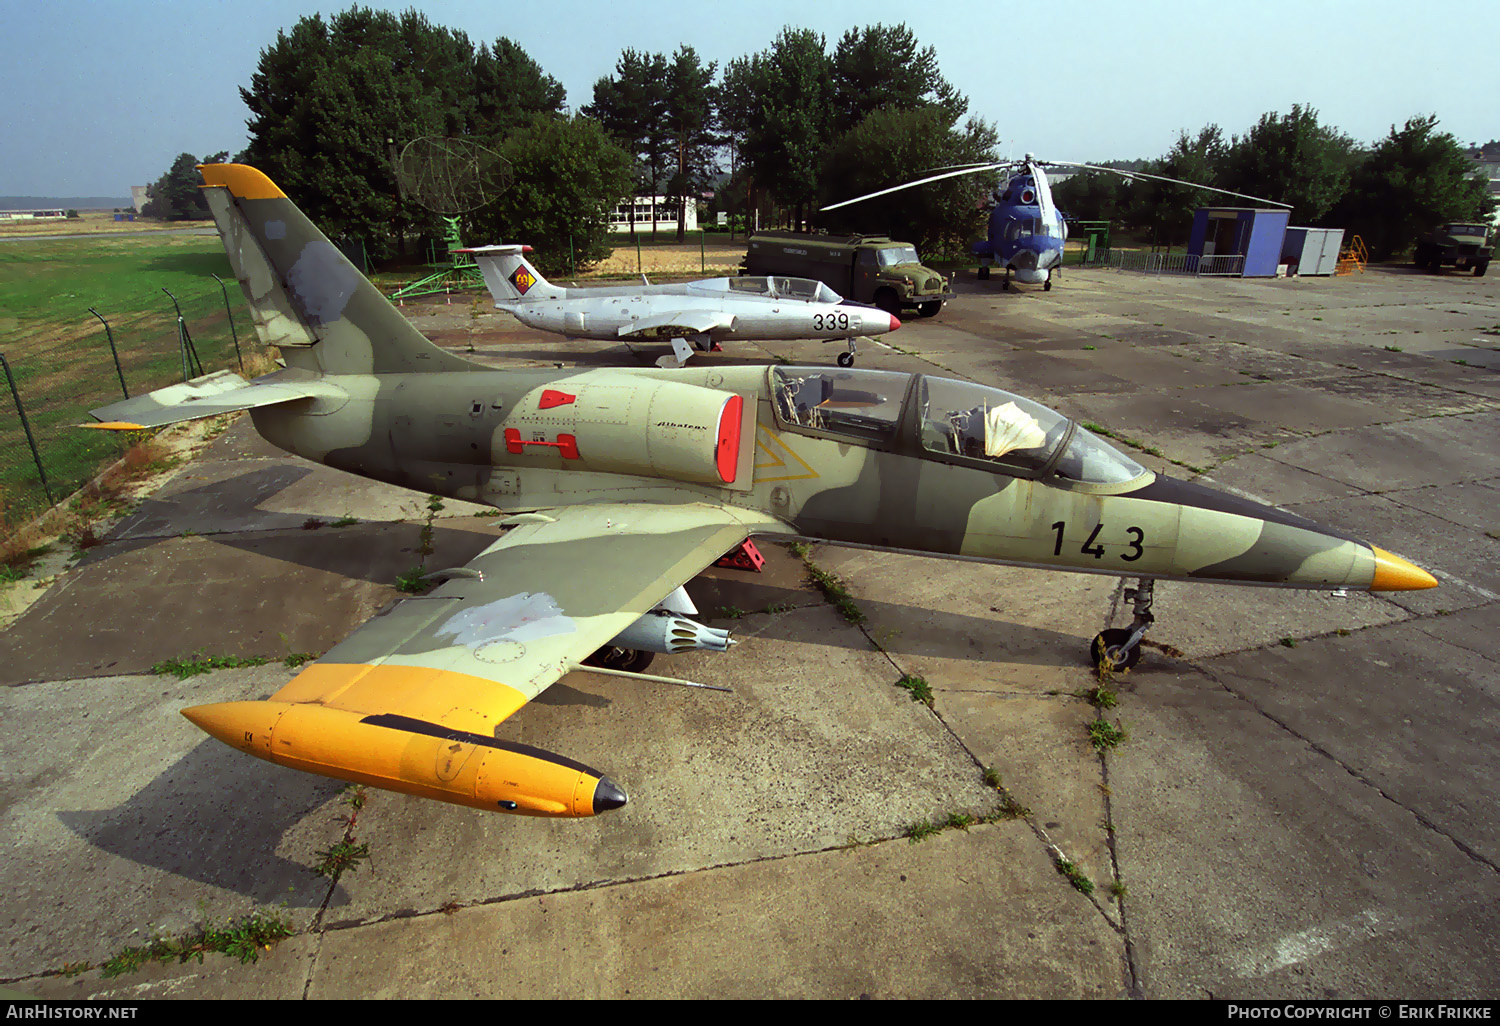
[{"x": 450, "y": 177}]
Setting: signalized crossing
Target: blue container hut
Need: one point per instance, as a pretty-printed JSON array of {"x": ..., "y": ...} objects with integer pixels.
[{"x": 1253, "y": 235}]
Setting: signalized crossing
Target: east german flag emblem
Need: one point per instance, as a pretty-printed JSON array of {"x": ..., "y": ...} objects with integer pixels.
[{"x": 522, "y": 279}]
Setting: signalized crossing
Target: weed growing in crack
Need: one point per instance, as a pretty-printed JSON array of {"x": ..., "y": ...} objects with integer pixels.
[
  {"x": 345, "y": 855},
  {"x": 1075, "y": 876},
  {"x": 920, "y": 690},
  {"x": 1104, "y": 735},
  {"x": 244, "y": 939},
  {"x": 191, "y": 666},
  {"x": 920, "y": 831}
]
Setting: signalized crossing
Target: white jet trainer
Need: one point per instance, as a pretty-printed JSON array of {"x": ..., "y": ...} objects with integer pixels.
[{"x": 695, "y": 314}]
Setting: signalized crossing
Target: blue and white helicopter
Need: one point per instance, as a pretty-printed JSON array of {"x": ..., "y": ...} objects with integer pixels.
[{"x": 1026, "y": 230}]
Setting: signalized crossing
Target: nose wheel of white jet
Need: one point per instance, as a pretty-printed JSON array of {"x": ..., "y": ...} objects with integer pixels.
[
  {"x": 1119, "y": 648},
  {"x": 847, "y": 359}
]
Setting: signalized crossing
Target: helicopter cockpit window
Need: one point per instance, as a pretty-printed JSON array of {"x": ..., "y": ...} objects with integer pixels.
[
  {"x": 864, "y": 404},
  {"x": 893, "y": 255}
]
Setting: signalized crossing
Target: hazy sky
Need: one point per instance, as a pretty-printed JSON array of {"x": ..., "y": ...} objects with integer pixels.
[{"x": 99, "y": 95}]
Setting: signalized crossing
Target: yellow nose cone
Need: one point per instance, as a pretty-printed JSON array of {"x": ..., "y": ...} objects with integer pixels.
[
  {"x": 1392, "y": 573},
  {"x": 243, "y": 725}
]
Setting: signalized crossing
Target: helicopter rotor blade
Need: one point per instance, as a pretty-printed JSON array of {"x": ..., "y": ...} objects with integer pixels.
[
  {"x": 975, "y": 169},
  {"x": 1174, "y": 181}
]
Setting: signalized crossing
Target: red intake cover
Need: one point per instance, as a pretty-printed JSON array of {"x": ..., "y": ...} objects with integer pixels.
[{"x": 729, "y": 438}]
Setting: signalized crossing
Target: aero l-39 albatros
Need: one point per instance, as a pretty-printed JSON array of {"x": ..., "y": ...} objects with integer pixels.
[
  {"x": 622, "y": 484},
  {"x": 703, "y": 313}
]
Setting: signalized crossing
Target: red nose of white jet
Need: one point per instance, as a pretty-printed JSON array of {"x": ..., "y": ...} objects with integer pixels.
[{"x": 894, "y": 323}]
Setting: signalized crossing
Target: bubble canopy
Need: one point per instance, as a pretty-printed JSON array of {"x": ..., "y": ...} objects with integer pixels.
[
  {"x": 804, "y": 289},
  {"x": 947, "y": 420}
]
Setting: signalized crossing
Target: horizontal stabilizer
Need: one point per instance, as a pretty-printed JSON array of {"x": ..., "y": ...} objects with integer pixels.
[{"x": 208, "y": 396}]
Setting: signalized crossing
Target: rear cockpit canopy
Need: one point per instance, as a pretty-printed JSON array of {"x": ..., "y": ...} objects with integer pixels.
[
  {"x": 950, "y": 421},
  {"x": 805, "y": 290}
]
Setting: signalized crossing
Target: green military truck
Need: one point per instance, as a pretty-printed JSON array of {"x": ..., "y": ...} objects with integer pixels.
[
  {"x": 865, "y": 268},
  {"x": 1459, "y": 245}
]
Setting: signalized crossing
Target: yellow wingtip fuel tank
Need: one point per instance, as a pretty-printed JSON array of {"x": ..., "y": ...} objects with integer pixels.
[{"x": 399, "y": 753}]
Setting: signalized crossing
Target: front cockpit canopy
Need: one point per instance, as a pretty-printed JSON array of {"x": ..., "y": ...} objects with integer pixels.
[
  {"x": 948, "y": 420},
  {"x": 806, "y": 290}
]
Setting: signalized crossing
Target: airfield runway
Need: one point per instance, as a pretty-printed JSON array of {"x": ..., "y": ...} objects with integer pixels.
[{"x": 1303, "y": 805}]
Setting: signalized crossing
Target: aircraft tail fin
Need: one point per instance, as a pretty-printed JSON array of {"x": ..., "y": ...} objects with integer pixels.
[
  {"x": 510, "y": 277},
  {"x": 304, "y": 294}
]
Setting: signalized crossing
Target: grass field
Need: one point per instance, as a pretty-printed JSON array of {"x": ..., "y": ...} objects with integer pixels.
[
  {"x": 59, "y": 356},
  {"x": 91, "y": 222}
]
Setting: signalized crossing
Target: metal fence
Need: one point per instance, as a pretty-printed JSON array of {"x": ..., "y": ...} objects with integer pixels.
[
  {"x": 55, "y": 372},
  {"x": 1225, "y": 265}
]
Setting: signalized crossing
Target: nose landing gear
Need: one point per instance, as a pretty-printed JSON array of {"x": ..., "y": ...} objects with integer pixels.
[{"x": 1120, "y": 648}]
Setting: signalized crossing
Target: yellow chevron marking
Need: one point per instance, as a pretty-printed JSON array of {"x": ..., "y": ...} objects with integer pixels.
[{"x": 769, "y": 443}]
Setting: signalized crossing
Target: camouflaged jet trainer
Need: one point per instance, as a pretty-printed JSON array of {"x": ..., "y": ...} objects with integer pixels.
[
  {"x": 623, "y": 484},
  {"x": 703, "y": 313}
]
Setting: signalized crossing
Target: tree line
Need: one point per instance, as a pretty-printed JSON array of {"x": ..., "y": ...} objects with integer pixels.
[
  {"x": 776, "y": 134},
  {"x": 333, "y": 101},
  {"x": 1414, "y": 178}
]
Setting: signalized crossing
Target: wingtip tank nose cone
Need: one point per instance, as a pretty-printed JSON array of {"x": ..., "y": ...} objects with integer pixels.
[
  {"x": 1392, "y": 573},
  {"x": 210, "y": 719},
  {"x": 607, "y": 795}
]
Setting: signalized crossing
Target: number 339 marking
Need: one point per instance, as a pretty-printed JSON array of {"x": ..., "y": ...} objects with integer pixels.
[
  {"x": 1097, "y": 551},
  {"x": 830, "y": 322}
]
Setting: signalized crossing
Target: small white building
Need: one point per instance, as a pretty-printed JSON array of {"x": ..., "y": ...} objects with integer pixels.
[
  {"x": 52, "y": 214},
  {"x": 647, "y": 212}
]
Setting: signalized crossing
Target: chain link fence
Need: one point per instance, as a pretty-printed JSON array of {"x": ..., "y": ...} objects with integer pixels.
[{"x": 55, "y": 372}]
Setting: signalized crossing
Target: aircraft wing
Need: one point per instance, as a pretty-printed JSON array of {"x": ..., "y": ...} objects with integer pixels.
[
  {"x": 697, "y": 322},
  {"x": 414, "y": 695}
]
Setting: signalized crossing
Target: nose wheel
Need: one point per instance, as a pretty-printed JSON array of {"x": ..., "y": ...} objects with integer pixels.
[
  {"x": 847, "y": 359},
  {"x": 1119, "y": 648}
]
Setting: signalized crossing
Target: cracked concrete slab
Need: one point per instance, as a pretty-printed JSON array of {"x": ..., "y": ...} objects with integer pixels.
[
  {"x": 1260, "y": 867},
  {"x": 1295, "y": 811}
]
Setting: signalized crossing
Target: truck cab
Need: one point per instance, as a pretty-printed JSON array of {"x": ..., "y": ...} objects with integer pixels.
[{"x": 1462, "y": 245}]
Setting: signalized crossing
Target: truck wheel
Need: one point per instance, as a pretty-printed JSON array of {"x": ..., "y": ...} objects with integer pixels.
[
  {"x": 887, "y": 301},
  {"x": 929, "y": 309},
  {"x": 1480, "y": 268}
]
